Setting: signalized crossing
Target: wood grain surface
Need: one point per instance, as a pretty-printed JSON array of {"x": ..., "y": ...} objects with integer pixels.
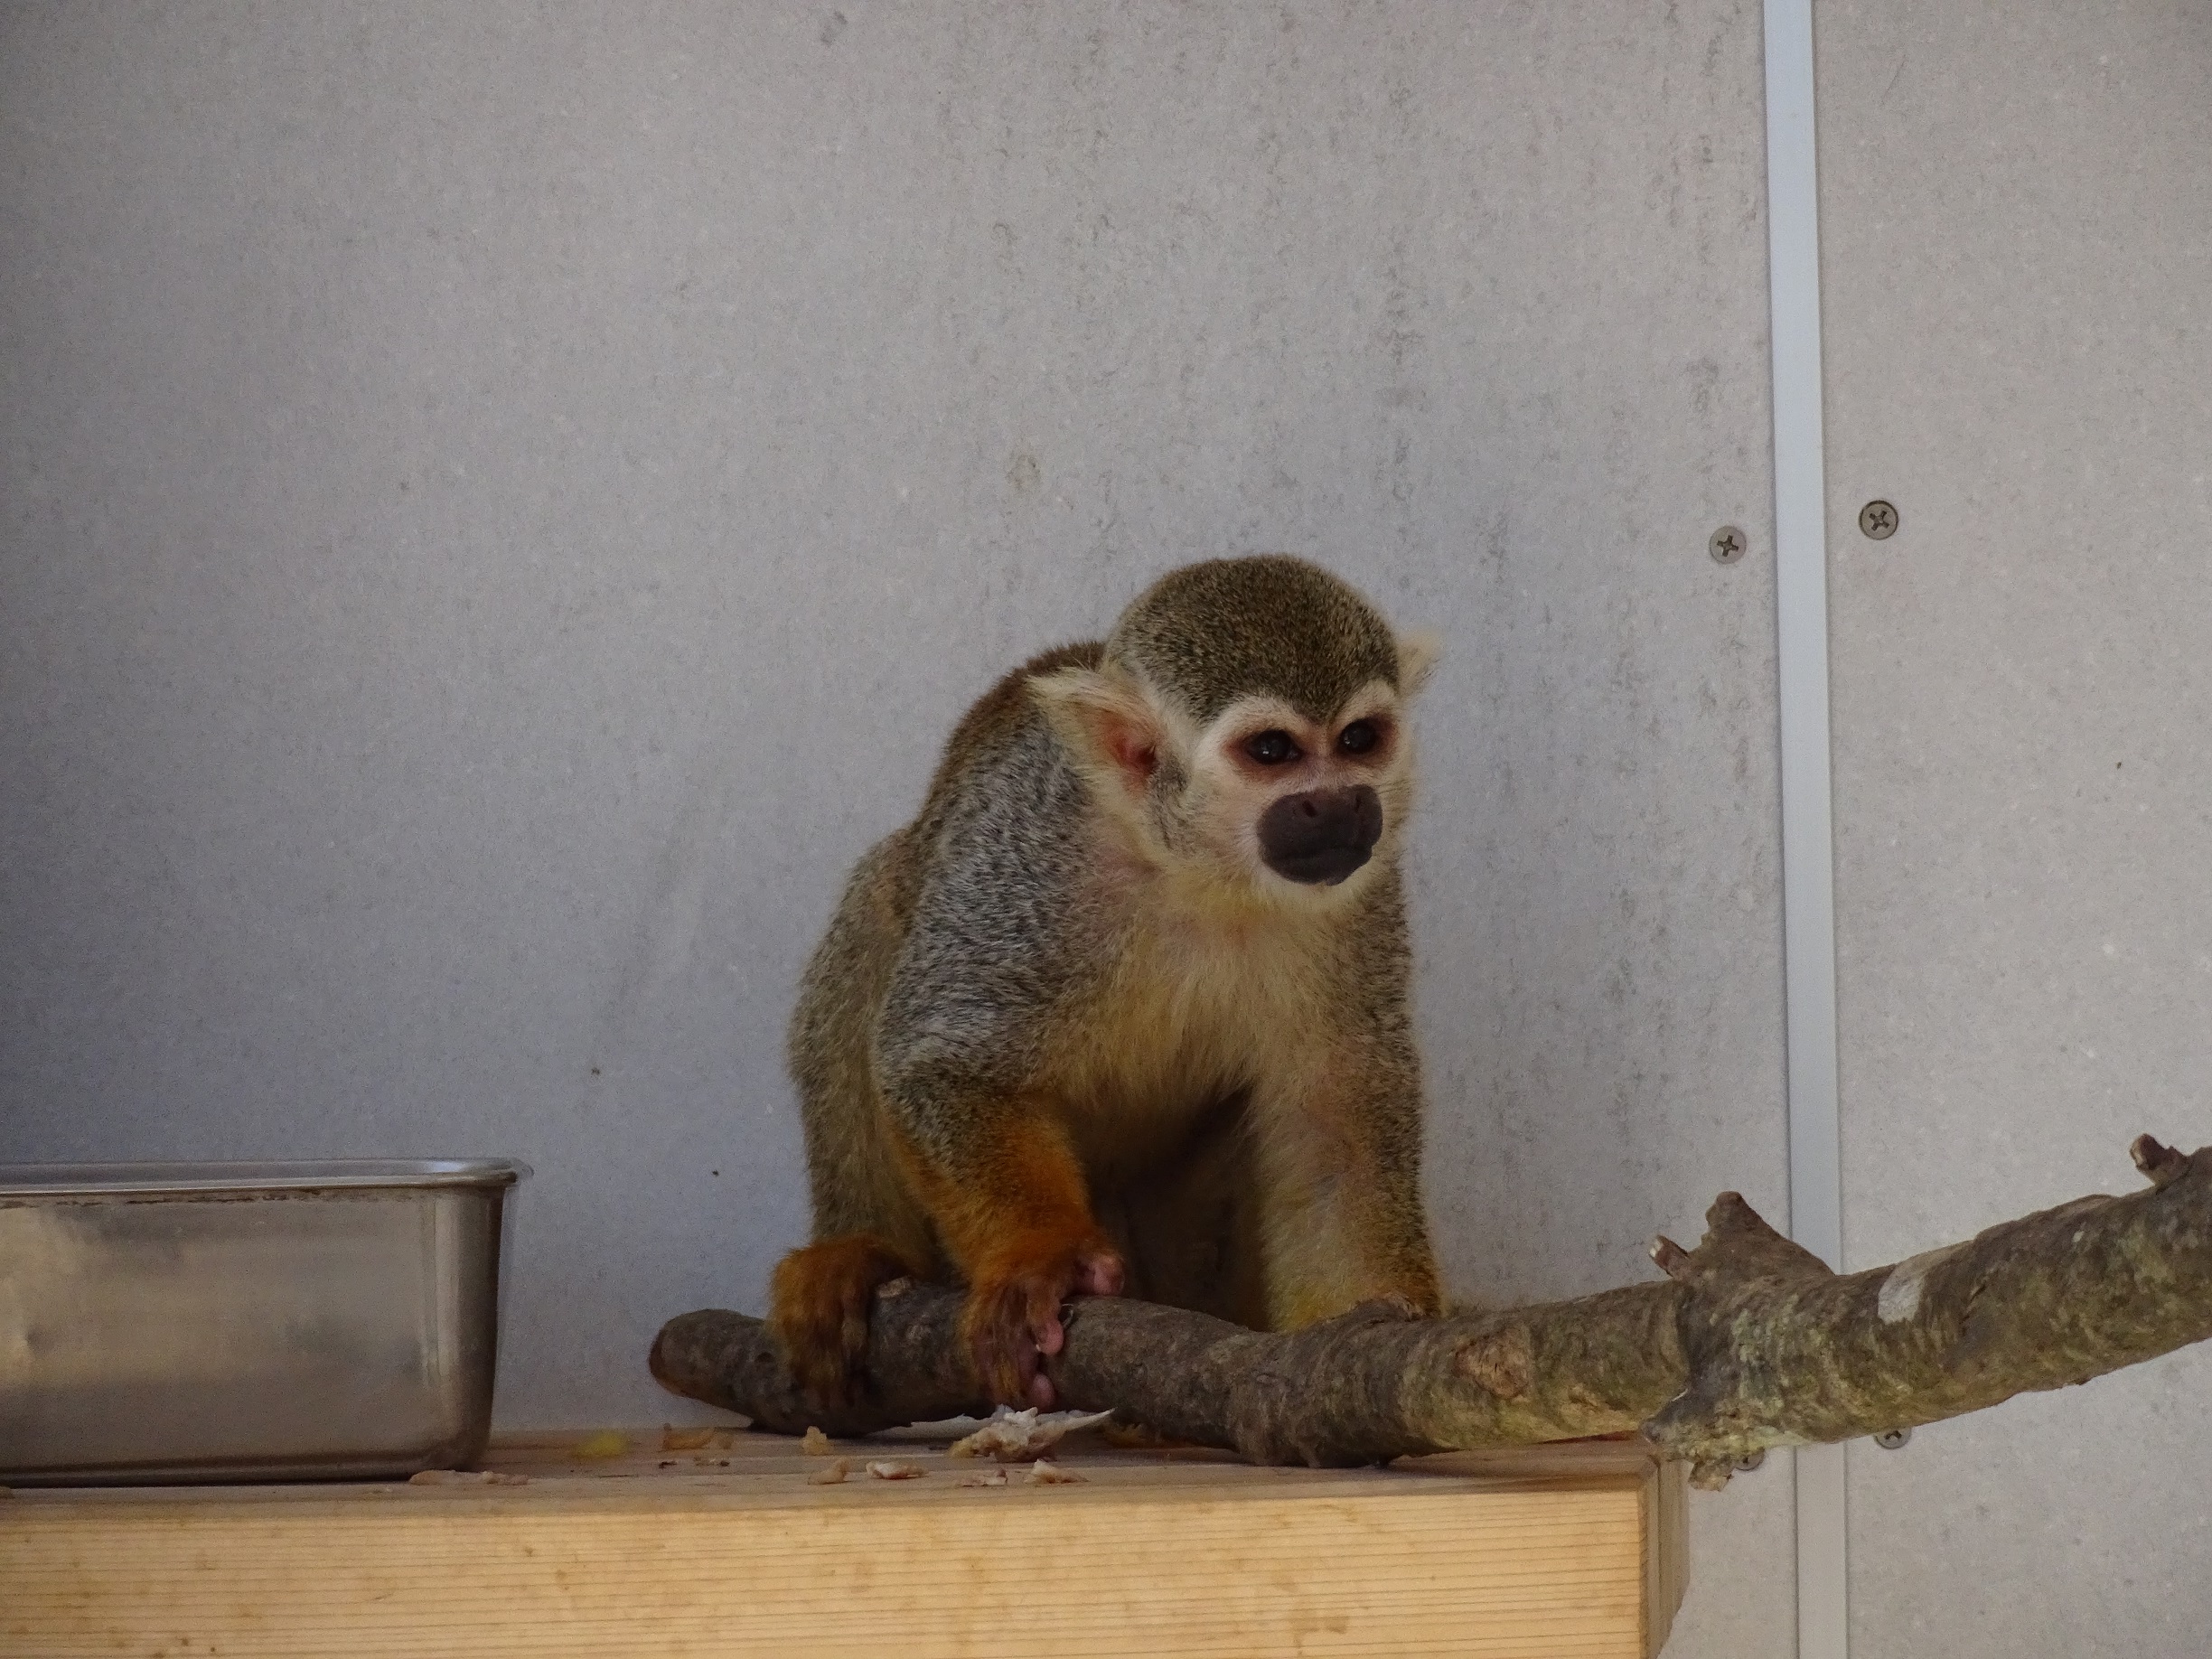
[{"x": 729, "y": 1549}]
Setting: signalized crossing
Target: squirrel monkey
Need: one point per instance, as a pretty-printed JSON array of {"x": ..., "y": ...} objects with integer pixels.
[{"x": 1126, "y": 1008}]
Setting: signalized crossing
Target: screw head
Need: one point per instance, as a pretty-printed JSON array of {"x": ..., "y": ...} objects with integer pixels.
[
  {"x": 1878, "y": 520},
  {"x": 1727, "y": 544},
  {"x": 1889, "y": 1440},
  {"x": 1749, "y": 1461}
]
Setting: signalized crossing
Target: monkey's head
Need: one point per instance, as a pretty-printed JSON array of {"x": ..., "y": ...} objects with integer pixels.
[{"x": 1246, "y": 723}]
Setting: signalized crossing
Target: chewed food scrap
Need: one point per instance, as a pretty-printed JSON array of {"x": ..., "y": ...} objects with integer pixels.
[{"x": 1016, "y": 1436}]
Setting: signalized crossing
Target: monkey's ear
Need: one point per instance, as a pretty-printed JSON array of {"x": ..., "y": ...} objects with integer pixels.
[
  {"x": 1417, "y": 659},
  {"x": 1107, "y": 720}
]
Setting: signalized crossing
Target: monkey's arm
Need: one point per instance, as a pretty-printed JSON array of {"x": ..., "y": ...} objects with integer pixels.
[
  {"x": 1341, "y": 1216},
  {"x": 1338, "y": 1122},
  {"x": 995, "y": 1170},
  {"x": 998, "y": 945}
]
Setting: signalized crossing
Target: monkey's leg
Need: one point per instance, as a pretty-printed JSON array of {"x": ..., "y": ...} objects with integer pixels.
[
  {"x": 1009, "y": 1200},
  {"x": 819, "y": 1302},
  {"x": 1341, "y": 1220}
]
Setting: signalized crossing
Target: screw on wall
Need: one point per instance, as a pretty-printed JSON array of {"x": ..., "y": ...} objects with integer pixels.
[
  {"x": 1878, "y": 520},
  {"x": 1727, "y": 545},
  {"x": 1749, "y": 1461},
  {"x": 1889, "y": 1440}
]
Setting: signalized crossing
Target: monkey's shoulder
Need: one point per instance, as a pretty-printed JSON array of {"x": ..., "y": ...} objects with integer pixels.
[
  {"x": 1000, "y": 720},
  {"x": 1006, "y": 828}
]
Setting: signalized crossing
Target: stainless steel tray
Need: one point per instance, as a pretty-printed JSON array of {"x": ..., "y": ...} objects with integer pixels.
[{"x": 206, "y": 1322}]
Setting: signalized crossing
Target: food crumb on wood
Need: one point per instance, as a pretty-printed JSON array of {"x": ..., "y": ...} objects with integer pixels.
[
  {"x": 598, "y": 1447},
  {"x": 673, "y": 1438},
  {"x": 832, "y": 1475},
  {"x": 1044, "y": 1472},
  {"x": 467, "y": 1478},
  {"x": 815, "y": 1443},
  {"x": 710, "y": 1463},
  {"x": 665, "y": 1463},
  {"x": 895, "y": 1468}
]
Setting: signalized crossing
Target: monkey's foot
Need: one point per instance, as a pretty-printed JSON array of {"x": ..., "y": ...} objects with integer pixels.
[
  {"x": 818, "y": 1303},
  {"x": 1012, "y": 1320}
]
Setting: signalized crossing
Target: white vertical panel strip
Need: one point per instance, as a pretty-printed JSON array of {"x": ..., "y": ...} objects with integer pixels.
[{"x": 1808, "y": 873}]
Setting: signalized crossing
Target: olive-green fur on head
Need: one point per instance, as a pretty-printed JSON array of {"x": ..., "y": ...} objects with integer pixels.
[{"x": 1210, "y": 632}]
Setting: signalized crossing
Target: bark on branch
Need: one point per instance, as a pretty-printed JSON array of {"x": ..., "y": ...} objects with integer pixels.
[{"x": 1748, "y": 1342}]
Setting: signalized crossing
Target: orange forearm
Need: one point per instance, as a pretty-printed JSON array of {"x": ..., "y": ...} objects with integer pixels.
[{"x": 1017, "y": 1192}]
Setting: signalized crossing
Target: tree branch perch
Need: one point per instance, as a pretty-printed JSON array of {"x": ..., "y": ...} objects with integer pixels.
[{"x": 1748, "y": 1342}]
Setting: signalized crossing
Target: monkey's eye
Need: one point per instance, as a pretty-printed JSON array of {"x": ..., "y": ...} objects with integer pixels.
[
  {"x": 1358, "y": 737},
  {"x": 1272, "y": 749}
]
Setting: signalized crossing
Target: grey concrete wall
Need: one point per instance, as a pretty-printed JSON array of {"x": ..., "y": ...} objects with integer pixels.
[
  {"x": 502, "y": 504},
  {"x": 2017, "y": 230}
]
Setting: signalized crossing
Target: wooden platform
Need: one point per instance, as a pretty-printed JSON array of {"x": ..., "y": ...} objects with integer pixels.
[{"x": 728, "y": 1550}]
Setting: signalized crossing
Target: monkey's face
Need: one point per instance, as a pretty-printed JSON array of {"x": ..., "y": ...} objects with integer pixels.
[
  {"x": 1200, "y": 734},
  {"x": 1294, "y": 806}
]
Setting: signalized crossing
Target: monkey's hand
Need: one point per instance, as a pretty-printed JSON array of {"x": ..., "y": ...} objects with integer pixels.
[{"x": 1014, "y": 1293}]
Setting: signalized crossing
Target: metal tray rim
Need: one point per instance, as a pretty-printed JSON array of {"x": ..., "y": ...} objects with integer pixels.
[{"x": 153, "y": 1180}]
